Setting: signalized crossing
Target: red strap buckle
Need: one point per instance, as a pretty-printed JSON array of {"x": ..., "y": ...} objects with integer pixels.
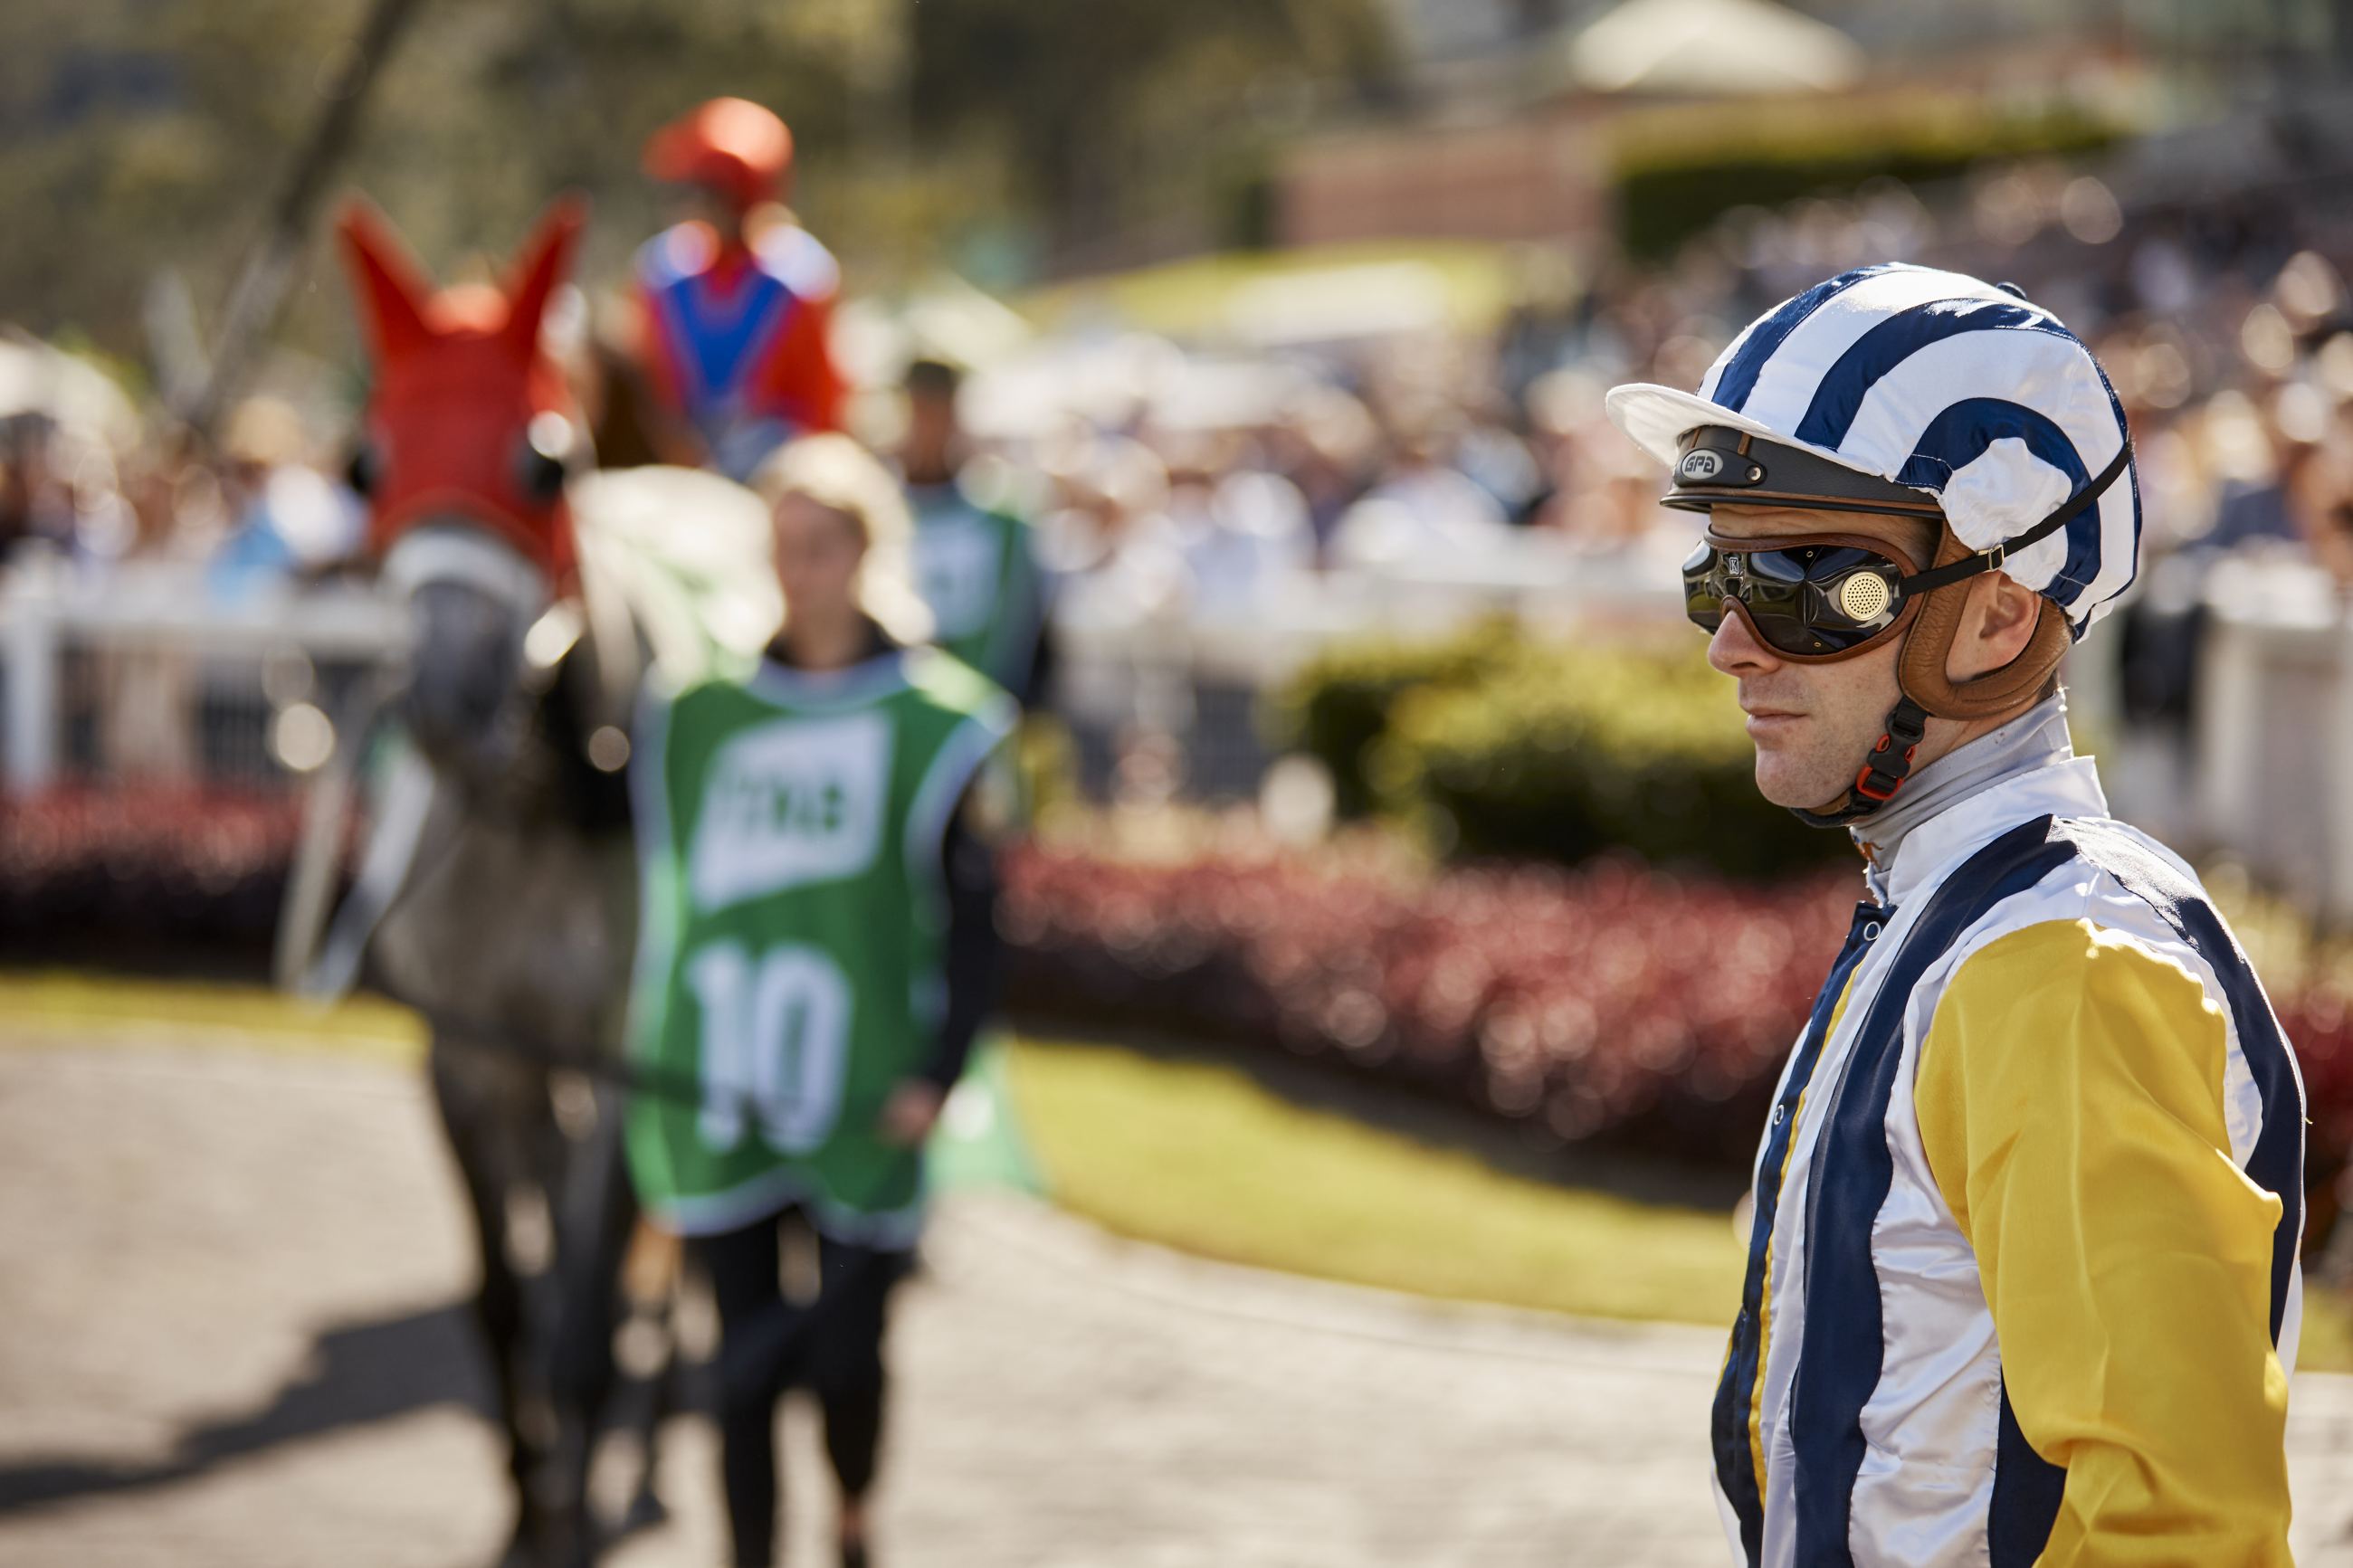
[
  {"x": 1864, "y": 781},
  {"x": 1864, "y": 787}
]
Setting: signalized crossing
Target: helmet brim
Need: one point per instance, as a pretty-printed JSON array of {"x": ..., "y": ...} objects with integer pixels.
[{"x": 1657, "y": 419}]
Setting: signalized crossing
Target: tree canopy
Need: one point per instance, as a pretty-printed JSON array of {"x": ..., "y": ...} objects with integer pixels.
[{"x": 1014, "y": 135}]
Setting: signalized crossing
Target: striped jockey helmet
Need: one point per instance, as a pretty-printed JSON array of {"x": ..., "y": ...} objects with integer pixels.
[{"x": 1942, "y": 384}]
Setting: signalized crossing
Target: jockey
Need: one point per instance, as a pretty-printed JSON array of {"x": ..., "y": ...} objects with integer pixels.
[
  {"x": 737, "y": 302},
  {"x": 2022, "y": 1278}
]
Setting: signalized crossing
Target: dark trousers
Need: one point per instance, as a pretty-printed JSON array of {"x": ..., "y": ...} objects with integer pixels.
[{"x": 833, "y": 1347}]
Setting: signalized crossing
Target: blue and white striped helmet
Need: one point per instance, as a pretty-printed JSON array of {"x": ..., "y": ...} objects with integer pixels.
[{"x": 1941, "y": 383}]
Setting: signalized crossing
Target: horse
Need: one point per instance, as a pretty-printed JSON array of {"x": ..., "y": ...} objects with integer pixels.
[{"x": 498, "y": 890}]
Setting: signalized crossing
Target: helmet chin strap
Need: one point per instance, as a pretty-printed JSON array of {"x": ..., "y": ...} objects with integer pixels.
[{"x": 1884, "y": 769}]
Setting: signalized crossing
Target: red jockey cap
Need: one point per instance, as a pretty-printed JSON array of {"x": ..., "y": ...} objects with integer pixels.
[
  {"x": 454, "y": 421},
  {"x": 730, "y": 144}
]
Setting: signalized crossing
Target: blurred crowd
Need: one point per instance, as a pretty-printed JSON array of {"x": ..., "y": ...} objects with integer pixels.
[
  {"x": 1196, "y": 482},
  {"x": 2226, "y": 328},
  {"x": 267, "y": 507}
]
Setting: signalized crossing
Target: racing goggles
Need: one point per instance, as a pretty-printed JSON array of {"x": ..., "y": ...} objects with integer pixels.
[
  {"x": 1816, "y": 599},
  {"x": 1817, "y": 596}
]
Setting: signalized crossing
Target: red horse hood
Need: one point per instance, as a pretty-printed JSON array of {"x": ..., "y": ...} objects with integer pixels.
[{"x": 460, "y": 379}]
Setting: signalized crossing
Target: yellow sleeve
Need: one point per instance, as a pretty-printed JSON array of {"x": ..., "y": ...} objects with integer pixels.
[{"x": 2069, "y": 1099}]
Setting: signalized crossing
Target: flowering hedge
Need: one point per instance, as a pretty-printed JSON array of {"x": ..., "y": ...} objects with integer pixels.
[
  {"x": 1602, "y": 1001},
  {"x": 2320, "y": 1023},
  {"x": 138, "y": 876}
]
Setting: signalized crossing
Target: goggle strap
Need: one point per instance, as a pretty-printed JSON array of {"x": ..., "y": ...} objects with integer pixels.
[{"x": 1985, "y": 561}]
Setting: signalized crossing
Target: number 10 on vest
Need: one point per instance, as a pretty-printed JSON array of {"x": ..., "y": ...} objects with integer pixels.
[{"x": 776, "y": 1037}]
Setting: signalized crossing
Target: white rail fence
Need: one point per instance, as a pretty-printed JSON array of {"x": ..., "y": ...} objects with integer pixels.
[
  {"x": 142, "y": 676},
  {"x": 2271, "y": 765}
]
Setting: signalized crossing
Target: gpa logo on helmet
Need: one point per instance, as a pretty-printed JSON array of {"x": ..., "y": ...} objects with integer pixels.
[{"x": 1700, "y": 466}]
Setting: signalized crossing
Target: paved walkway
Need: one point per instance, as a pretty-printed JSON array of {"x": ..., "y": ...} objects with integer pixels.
[{"x": 229, "y": 1339}]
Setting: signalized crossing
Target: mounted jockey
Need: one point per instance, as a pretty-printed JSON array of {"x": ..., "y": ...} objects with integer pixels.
[{"x": 737, "y": 301}]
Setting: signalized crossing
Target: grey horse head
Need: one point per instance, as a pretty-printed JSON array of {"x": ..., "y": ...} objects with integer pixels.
[
  {"x": 472, "y": 603},
  {"x": 468, "y": 442}
]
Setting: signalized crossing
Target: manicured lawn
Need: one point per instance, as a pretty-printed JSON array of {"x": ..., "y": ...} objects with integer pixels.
[
  {"x": 48, "y": 1004},
  {"x": 2326, "y": 1343},
  {"x": 1196, "y": 1154}
]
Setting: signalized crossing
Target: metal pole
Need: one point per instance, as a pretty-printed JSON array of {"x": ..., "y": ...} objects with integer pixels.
[{"x": 262, "y": 283}]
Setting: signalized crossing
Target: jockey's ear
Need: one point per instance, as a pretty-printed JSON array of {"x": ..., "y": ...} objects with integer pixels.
[
  {"x": 390, "y": 286},
  {"x": 541, "y": 267}
]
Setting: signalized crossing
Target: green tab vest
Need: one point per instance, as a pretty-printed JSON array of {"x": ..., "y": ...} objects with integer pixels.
[
  {"x": 789, "y": 827},
  {"x": 973, "y": 567}
]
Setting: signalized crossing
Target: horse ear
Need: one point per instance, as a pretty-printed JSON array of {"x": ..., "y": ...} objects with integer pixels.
[
  {"x": 541, "y": 267},
  {"x": 391, "y": 291}
]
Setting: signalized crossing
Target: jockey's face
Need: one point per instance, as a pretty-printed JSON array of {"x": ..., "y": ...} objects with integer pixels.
[
  {"x": 933, "y": 448},
  {"x": 701, "y": 204},
  {"x": 819, "y": 552},
  {"x": 1812, "y": 723}
]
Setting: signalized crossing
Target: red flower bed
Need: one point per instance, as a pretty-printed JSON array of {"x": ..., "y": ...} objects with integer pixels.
[
  {"x": 2319, "y": 1022},
  {"x": 134, "y": 875},
  {"x": 1605, "y": 999},
  {"x": 1602, "y": 1001}
]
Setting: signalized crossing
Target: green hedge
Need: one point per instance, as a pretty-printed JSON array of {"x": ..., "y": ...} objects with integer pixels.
[
  {"x": 1336, "y": 708},
  {"x": 1665, "y": 195},
  {"x": 1498, "y": 746}
]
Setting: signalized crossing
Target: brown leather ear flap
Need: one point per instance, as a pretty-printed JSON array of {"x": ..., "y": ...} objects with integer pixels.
[{"x": 1921, "y": 671}]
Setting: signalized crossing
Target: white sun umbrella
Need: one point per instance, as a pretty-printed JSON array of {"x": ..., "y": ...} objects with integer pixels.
[
  {"x": 1338, "y": 305},
  {"x": 1103, "y": 380},
  {"x": 947, "y": 318},
  {"x": 1712, "y": 48},
  {"x": 1110, "y": 382},
  {"x": 80, "y": 399},
  {"x": 1203, "y": 395}
]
